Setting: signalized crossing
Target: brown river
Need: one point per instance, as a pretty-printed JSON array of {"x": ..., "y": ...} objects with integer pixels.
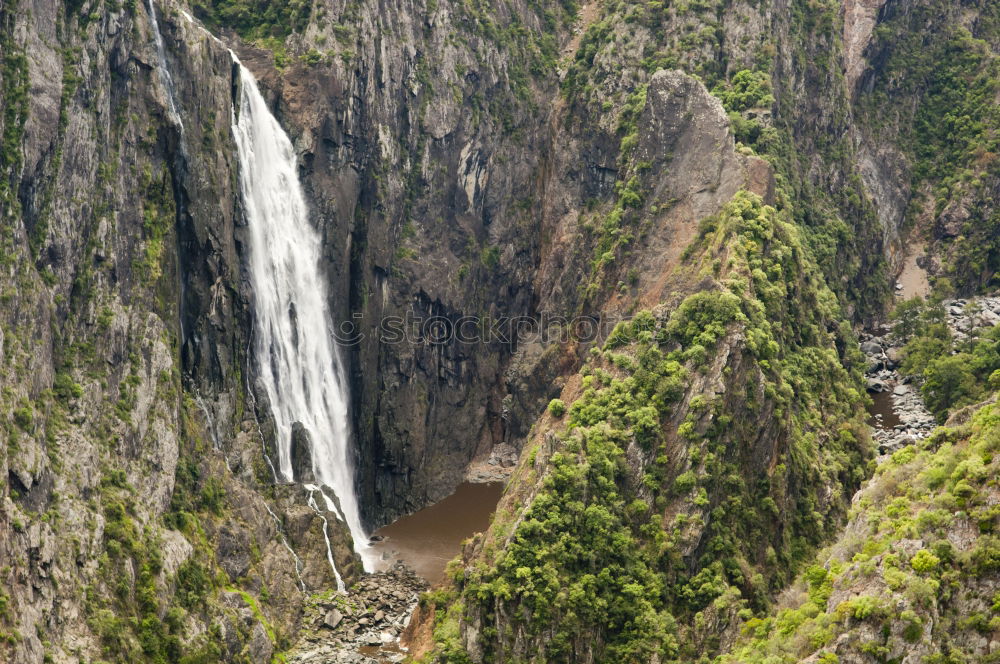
[
  {"x": 428, "y": 539},
  {"x": 880, "y": 414}
]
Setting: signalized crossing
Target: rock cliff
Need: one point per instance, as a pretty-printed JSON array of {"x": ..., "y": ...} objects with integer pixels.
[{"x": 746, "y": 174}]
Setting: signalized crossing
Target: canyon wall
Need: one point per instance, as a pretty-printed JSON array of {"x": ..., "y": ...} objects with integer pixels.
[{"x": 463, "y": 161}]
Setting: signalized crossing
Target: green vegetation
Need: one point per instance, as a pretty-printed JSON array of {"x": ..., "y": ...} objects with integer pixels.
[
  {"x": 14, "y": 93},
  {"x": 942, "y": 83},
  {"x": 143, "y": 619},
  {"x": 894, "y": 591},
  {"x": 158, "y": 217},
  {"x": 952, "y": 373},
  {"x": 675, "y": 36},
  {"x": 602, "y": 561},
  {"x": 747, "y": 89},
  {"x": 255, "y": 19}
]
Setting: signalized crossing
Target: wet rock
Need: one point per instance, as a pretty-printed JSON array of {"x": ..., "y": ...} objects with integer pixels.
[
  {"x": 875, "y": 385},
  {"x": 302, "y": 469}
]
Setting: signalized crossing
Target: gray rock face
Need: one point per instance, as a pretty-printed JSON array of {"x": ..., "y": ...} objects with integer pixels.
[
  {"x": 421, "y": 206},
  {"x": 126, "y": 318},
  {"x": 124, "y": 339},
  {"x": 302, "y": 468}
]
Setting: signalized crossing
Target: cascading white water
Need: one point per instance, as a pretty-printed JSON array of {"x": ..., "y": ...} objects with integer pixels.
[
  {"x": 299, "y": 362},
  {"x": 165, "y": 78},
  {"x": 312, "y": 489}
]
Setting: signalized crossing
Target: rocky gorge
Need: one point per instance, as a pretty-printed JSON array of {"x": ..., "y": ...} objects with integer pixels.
[
  {"x": 884, "y": 352},
  {"x": 675, "y": 220}
]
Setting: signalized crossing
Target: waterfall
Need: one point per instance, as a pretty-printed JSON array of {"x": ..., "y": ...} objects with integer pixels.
[
  {"x": 299, "y": 363},
  {"x": 165, "y": 78},
  {"x": 284, "y": 541},
  {"x": 312, "y": 489}
]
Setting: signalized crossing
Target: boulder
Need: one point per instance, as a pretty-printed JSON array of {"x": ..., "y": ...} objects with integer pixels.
[
  {"x": 871, "y": 348},
  {"x": 952, "y": 218},
  {"x": 504, "y": 455},
  {"x": 986, "y": 318},
  {"x": 333, "y": 618},
  {"x": 876, "y": 385}
]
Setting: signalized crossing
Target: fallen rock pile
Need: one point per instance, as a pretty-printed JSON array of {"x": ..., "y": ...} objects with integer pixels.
[
  {"x": 964, "y": 316},
  {"x": 361, "y": 626}
]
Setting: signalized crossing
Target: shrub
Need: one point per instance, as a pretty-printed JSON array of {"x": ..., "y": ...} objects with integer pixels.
[
  {"x": 862, "y": 608},
  {"x": 685, "y": 482},
  {"x": 24, "y": 417},
  {"x": 924, "y": 562},
  {"x": 557, "y": 407},
  {"x": 65, "y": 388}
]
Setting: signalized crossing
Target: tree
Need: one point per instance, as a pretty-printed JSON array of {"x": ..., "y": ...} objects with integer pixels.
[
  {"x": 908, "y": 319},
  {"x": 948, "y": 381}
]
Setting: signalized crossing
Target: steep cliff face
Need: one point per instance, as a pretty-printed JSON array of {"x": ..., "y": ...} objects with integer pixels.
[
  {"x": 471, "y": 177},
  {"x": 574, "y": 522},
  {"x": 704, "y": 449},
  {"x": 926, "y": 118},
  {"x": 420, "y": 153},
  {"x": 132, "y": 523}
]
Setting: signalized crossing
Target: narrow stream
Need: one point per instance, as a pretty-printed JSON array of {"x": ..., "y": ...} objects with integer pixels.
[
  {"x": 428, "y": 539},
  {"x": 881, "y": 414}
]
